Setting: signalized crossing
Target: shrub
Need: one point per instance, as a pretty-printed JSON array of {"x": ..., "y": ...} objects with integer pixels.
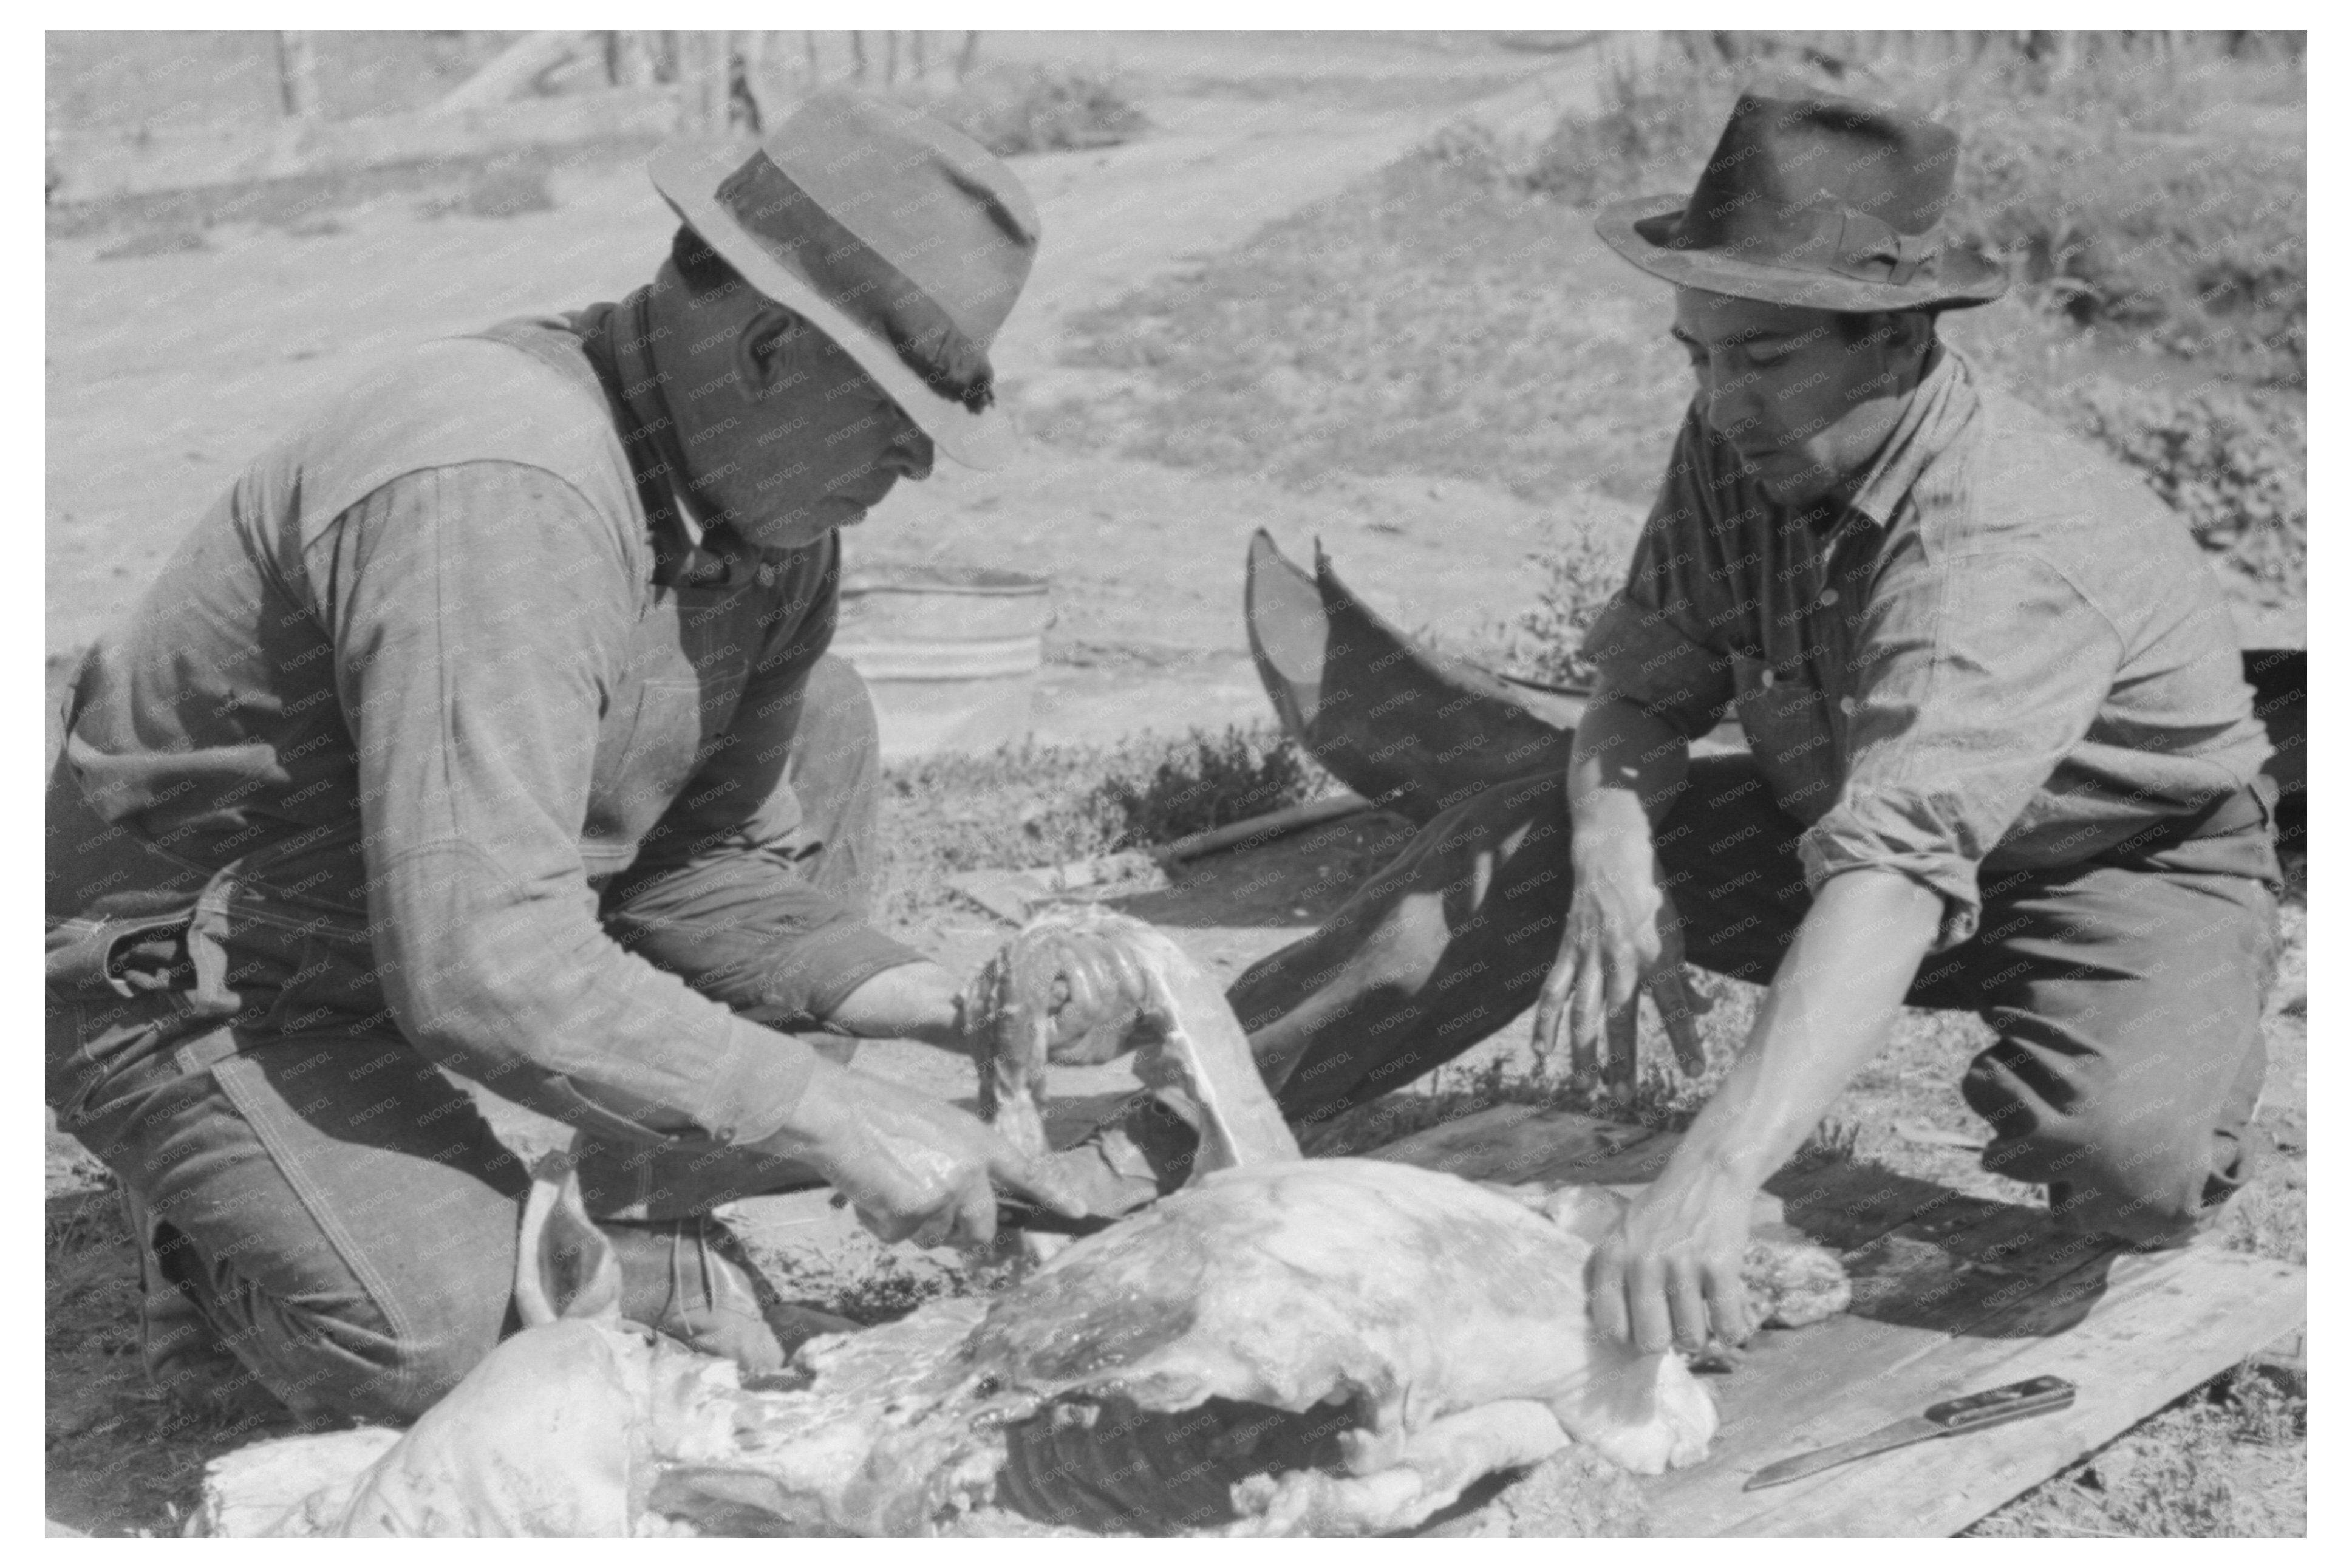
[
  {"x": 1580, "y": 575},
  {"x": 2196, "y": 245},
  {"x": 1428, "y": 320},
  {"x": 501, "y": 188},
  {"x": 1041, "y": 111},
  {"x": 169, "y": 241},
  {"x": 1020, "y": 805},
  {"x": 2231, "y": 467},
  {"x": 1654, "y": 128},
  {"x": 2129, "y": 186},
  {"x": 1225, "y": 779},
  {"x": 1046, "y": 805}
]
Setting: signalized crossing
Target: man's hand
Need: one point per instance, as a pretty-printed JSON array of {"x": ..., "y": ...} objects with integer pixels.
[
  {"x": 1670, "y": 1271},
  {"x": 1621, "y": 934},
  {"x": 1669, "y": 1274},
  {"x": 915, "y": 1168}
]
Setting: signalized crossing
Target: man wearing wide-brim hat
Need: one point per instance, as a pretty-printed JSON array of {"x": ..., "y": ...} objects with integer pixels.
[
  {"x": 486, "y": 724},
  {"x": 2001, "y": 758}
]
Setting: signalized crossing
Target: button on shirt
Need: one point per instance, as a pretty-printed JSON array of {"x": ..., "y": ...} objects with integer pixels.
[{"x": 2003, "y": 651}]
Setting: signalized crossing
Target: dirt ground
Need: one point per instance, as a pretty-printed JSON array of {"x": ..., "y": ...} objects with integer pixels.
[{"x": 166, "y": 372}]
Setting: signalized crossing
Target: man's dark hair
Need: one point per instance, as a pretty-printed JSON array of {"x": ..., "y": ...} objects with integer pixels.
[
  {"x": 1857, "y": 326},
  {"x": 703, "y": 270}
]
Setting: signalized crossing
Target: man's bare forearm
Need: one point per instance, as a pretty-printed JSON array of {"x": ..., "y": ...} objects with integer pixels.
[
  {"x": 909, "y": 1001},
  {"x": 1828, "y": 1014},
  {"x": 1624, "y": 775}
]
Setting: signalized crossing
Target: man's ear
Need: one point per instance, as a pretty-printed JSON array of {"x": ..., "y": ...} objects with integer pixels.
[
  {"x": 771, "y": 351},
  {"x": 1918, "y": 330}
]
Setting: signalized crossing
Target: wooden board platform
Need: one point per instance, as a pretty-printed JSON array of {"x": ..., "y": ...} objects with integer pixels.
[{"x": 1952, "y": 1294}]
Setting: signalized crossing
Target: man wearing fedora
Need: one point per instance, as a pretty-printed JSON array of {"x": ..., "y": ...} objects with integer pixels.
[
  {"x": 2001, "y": 759},
  {"x": 486, "y": 723}
]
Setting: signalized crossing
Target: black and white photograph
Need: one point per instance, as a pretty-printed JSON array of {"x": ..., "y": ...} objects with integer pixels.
[{"x": 1068, "y": 782}]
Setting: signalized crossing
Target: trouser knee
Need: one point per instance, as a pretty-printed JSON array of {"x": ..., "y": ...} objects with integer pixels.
[
  {"x": 835, "y": 770},
  {"x": 342, "y": 1354},
  {"x": 2145, "y": 1173},
  {"x": 318, "y": 1371}
]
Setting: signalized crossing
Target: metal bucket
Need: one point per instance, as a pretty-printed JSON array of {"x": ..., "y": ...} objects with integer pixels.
[{"x": 950, "y": 653}]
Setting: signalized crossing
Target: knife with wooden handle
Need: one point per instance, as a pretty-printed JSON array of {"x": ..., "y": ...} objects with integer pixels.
[{"x": 1973, "y": 1412}]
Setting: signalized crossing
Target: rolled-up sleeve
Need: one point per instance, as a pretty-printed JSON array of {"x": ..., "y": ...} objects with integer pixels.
[
  {"x": 479, "y": 613},
  {"x": 1975, "y": 676},
  {"x": 1656, "y": 642}
]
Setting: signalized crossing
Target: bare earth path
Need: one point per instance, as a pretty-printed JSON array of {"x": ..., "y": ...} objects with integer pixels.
[{"x": 166, "y": 372}]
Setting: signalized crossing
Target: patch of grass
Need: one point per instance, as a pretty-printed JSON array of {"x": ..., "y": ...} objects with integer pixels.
[
  {"x": 1041, "y": 110},
  {"x": 1429, "y": 320},
  {"x": 2233, "y": 466},
  {"x": 172, "y": 241},
  {"x": 2129, "y": 186},
  {"x": 1223, "y": 779},
  {"x": 1578, "y": 576},
  {"x": 2198, "y": 1468},
  {"x": 1453, "y": 316},
  {"x": 1044, "y": 805},
  {"x": 503, "y": 187},
  {"x": 2272, "y": 1218}
]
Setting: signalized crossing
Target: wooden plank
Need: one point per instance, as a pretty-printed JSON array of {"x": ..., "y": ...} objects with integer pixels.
[
  {"x": 1844, "y": 1206},
  {"x": 2162, "y": 1326},
  {"x": 1913, "y": 1293},
  {"x": 1952, "y": 1293}
]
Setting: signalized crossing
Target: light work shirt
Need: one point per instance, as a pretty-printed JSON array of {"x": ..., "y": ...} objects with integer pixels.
[{"x": 2003, "y": 651}]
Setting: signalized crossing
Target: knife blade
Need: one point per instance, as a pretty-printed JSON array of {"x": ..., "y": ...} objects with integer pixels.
[
  {"x": 1970, "y": 1413},
  {"x": 1018, "y": 1213}
]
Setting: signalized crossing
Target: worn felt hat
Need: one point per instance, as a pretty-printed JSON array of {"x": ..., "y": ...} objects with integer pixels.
[
  {"x": 902, "y": 240},
  {"x": 1826, "y": 202}
]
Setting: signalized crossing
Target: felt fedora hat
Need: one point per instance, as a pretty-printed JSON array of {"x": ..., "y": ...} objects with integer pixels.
[
  {"x": 903, "y": 241},
  {"x": 1823, "y": 202}
]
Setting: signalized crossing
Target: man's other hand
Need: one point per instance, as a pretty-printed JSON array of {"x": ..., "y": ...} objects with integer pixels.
[
  {"x": 1668, "y": 1274},
  {"x": 915, "y": 1168},
  {"x": 1621, "y": 934}
]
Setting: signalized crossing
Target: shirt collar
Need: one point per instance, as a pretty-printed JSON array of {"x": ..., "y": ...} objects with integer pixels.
[{"x": 1939, "y": 409}]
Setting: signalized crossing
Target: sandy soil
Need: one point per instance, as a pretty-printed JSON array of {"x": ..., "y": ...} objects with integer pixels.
[{"x": 167, "y": 372}]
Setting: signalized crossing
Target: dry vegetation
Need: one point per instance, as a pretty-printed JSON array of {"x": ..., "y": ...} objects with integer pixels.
[
  {"x": 1045, "y": 806},
  {"x": 1455, "y": 314}
]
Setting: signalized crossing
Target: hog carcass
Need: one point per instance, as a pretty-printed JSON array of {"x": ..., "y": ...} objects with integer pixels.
[{"x": 1283, "y": 1347}]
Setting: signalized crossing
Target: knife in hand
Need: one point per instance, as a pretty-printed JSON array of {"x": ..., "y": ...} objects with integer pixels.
[{"x": 1973, "y": 1412}]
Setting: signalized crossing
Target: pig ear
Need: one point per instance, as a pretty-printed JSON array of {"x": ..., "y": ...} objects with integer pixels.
[{"x": 564, "y": 1268}]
